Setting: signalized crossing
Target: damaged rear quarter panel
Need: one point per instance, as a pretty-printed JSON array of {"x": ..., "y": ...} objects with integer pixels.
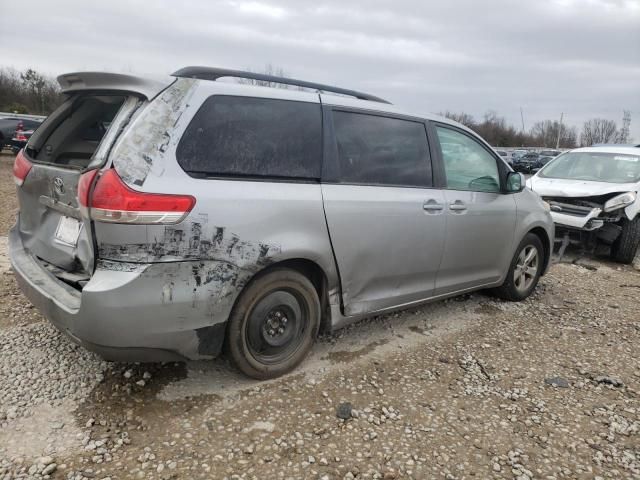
[
  {"x": 145, "y": 147},
  {"x": 236, "y": 229},
  {"x": 197, "y": 269},
  {"x": 255, "y": 225}
]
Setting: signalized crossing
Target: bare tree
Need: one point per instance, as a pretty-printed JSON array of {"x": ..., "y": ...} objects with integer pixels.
[
  {"x": 463, "y": 118},
  {"x": 28, "y": 92},
  {"x": 493, "y": 128},
  {"x": 545, "y": 134},
  {"x": 598, "y": 130}
]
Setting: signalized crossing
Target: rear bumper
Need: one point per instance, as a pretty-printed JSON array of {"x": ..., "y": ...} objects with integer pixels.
[{"x": 130, "y": 312}]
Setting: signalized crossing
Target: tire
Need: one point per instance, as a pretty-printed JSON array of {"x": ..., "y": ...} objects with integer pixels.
[
  {"x": 625, "y": 247},
  {"x": 517, "y": 287},
  {"x": 273, "y": 324}
]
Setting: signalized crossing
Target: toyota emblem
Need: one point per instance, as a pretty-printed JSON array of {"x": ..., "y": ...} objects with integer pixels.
[{"x": 58, "y": 185}]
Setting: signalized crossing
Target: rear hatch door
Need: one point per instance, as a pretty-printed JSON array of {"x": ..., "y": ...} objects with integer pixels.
[{"x": 76, "y": 138}]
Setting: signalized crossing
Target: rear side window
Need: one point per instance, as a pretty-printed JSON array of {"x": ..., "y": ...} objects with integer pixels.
[
  {"x": 253, "y": 137},
  {"x": 376, "y": 150}
]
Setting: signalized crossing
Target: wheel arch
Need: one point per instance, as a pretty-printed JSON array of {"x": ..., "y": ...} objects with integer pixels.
[
  {"x": 310, "y": 269},
  {"x": 547, "y": 245}
]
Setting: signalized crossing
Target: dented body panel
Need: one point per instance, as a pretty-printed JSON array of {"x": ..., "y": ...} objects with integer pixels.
[
  {"x": 130, "y": 311},
  {"x": 377, "y": 273}
]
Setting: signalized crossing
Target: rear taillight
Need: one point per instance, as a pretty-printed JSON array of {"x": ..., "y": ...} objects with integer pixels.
[
  {"x": 84, "y": 187},
  {"x": 19, "y": 133},
  {"x": 21, "y": 168},
  {"x": 111, "y": 200}
]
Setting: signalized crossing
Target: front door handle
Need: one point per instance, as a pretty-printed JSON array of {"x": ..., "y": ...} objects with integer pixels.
[
  {"x": 432, "y": 206},
  {"x": 457, "y": 206}
]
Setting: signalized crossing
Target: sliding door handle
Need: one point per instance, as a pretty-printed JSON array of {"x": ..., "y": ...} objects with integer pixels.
[
  {"x": 457, "y": 206},
  {"x": 432, "y": 206}
]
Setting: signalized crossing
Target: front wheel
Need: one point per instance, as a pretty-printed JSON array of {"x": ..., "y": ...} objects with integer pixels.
[
  {"x": 625, "y": 247},
  {"x": 274, "y": 324},
  {"x": 524, "y": 271}
]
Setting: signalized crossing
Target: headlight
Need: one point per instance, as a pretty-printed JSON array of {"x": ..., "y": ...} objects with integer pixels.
[
  {"x": 619, "y": 201},
  {"x": 546, "y": 205}
]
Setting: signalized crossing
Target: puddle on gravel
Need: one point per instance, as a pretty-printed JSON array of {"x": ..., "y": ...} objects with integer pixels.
[
  {"x": 125, "y": 389},
  {"x": 487, "y": 309},
  {"x": 344, "y": 356}
]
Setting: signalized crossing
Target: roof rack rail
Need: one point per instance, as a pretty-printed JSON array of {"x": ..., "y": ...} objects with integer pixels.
[{"x": 213, "y": 73}]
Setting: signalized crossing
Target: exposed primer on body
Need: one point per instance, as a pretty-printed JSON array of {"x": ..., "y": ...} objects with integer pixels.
[
  {"x": 143, "y": 151},
  {"x": 194, "y": 265},
  {"x": 201, "y": 293},
  {"x": 191, "y": 240},
  {"x": 121, "y": 266}
]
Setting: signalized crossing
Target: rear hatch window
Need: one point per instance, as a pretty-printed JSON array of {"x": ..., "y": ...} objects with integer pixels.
[
  {"x": 76, "y": 136},
  {"x": 72, "y": 134}
]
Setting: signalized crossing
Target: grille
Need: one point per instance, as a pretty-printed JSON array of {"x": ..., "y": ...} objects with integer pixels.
[{"x": 568, "y": 209}]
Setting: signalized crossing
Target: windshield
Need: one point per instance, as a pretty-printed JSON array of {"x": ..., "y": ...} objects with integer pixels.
[{"x": 595, "y": 167}]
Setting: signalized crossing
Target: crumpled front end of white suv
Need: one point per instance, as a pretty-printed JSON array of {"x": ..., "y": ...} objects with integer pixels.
[{"x": 591, "y": 213}]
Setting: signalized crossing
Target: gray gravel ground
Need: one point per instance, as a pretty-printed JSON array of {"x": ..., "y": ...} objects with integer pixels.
[{"x": 466, "y": 388}]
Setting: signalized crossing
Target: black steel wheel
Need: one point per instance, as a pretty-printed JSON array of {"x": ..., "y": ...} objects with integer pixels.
[{"x": 274, "y": 324}]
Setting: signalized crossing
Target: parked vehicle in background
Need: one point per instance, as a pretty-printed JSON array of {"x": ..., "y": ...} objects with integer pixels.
[
  {"x": 594, "y": 197},
  {"x": 19, "y": 139},
  {"x": 160, "y": 221},
  {"x": 543, "y": 160},
  {"x": 9, "y": 125},
  {"x": 527, "y": 162},
  {"x": 516, "y": 154},
  {"x": 505, "y": 156},
  {"x": 549, "y": 153}
]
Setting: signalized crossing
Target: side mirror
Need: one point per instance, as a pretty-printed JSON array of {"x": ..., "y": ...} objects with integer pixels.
[{"x": 515, "y": 182}]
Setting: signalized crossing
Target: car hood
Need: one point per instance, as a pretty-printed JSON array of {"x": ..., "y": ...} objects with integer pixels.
[{"x": 557, "y": 187}]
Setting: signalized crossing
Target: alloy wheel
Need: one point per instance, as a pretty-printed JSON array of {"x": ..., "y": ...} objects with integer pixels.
[{"x": 526, "y": 268}]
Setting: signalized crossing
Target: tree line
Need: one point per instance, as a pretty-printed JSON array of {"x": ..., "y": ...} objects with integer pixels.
[
  {"x": 30, "y": 91},
  {"x": 546, "y": 133}
]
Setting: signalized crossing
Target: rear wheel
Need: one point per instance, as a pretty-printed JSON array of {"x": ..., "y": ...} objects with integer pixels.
[
  {"x": 625, "y": 248},
  {"x": 274, "y": 324},
  {"x": 524, "y": 271}
]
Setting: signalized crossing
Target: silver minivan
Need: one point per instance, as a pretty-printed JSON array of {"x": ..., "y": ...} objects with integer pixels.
[{"x": 165, "y": 221}]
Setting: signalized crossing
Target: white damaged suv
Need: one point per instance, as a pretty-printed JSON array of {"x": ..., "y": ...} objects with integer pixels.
[{"x": 594, "y": 197}]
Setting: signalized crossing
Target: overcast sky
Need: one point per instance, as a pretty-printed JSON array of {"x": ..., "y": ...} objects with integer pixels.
[{"x": 580, "y": 57}]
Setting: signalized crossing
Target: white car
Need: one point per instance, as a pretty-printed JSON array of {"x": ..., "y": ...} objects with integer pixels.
[{"x": 593, "y": 194}]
